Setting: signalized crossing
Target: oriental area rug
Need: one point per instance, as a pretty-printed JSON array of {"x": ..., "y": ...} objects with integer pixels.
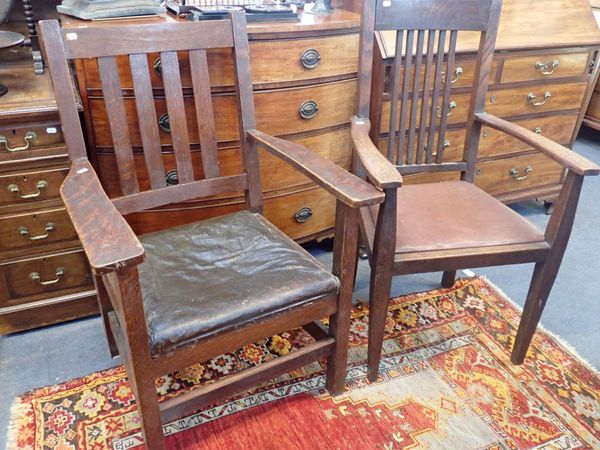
[{"x": 445, "y": 382}]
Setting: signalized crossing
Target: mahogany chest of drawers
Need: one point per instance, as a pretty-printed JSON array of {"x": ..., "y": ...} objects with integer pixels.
[
  {"x": 44, "y": 275},
  {"x": 304, "y": 77},
  {"x": 542, "y": 77}
]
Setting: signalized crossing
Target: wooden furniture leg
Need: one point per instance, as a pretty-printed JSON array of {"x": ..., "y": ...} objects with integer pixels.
[
  {"x": 381, "y": 279},
  {"x": 345, "y": 249},
  {"x": 105, "y": 308},
  {"x": 448, "y": 278}
]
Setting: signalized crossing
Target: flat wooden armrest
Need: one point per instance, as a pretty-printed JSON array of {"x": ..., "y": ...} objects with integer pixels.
[
  {"x": 562, "y": 155},
  {"x": 342, "y": 184},
  {"x": 107, "y": 239},
  {"x": 382, "y": 173}
]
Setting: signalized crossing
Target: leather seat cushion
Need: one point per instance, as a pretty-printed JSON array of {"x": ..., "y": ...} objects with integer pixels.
[
  {"x": 207, "y": 276},
  {"x": 455, "y": 215}
]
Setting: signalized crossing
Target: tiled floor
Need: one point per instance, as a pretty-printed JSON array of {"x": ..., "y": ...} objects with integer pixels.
[{"x": 55, "y": 354}]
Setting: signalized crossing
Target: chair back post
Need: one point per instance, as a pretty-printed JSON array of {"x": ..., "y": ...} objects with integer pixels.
[
  {"x": 487, "y": 44},
  {"x": 65, "y": 91},
  {"x": 246, "y": 112},
  {"x": 365, "y": 59}
]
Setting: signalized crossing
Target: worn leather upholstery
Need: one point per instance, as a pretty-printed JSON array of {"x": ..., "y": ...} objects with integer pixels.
[
  {"x": 455, "y": 215},
  {"x": 207, "y": 276}
]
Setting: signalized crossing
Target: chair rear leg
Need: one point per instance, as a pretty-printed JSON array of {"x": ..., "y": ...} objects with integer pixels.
[
  {"x": 539, "y": 290},
  {"x": 379, "y": 298},
  {"x": 337, "y": 361},
  {"x": 448, "y": 278}
]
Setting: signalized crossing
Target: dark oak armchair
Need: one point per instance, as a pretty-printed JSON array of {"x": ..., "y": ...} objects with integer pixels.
[
  {"x": 450, "y": 225},
  {"x": 183, "y": 295}
]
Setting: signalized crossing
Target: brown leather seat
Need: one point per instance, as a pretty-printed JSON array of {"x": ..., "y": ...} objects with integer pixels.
[
  {"x": 441, "y": 216},
  {"x": 207, "y": 276}
]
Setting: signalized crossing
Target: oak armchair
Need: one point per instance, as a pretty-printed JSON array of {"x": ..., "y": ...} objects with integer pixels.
[
  {"x": 183, "y": 295},
  {"x": 449, "y": 225}
]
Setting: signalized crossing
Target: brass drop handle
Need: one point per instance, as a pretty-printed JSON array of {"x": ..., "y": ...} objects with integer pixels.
[
  {"x": 310, "y": 58},
  {"x": 451, "y": 107},
  {"x": 157, "y": 66},
  {"x": 457, "y": 73},
  {"x": 24, "y": 231},
  {"x": 446, "y": 145},
  {"x": 303, "y": 214},
  {"x": 40, "y": 186},
  {"x": 29, "y": 137},
  {"x": 531, "y": 98},
  {"x": 37, "y": 278},
  {"x": 547, "y": 67},
  {"x": 537, "y": 130},
  {"x": 164, "y": 123},
  {"x": 308, "y": 109},
  {"x": 514, "y": 172}
]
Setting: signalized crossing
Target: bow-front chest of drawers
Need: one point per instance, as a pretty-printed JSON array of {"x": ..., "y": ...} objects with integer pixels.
[
  {"x": 542, "y": 78},
  {"x": 44, "y": 275},
  {"x": 304, "y": 77}
]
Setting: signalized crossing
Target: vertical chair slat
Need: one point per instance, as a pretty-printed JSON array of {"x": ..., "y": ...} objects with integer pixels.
[
  {"x": 204, "y": 112},
  {"x": 437, "y": 81},
  {"x": 117, "y": 119},
  {"x": 177, "y": 116},
  {"x": 394, "y": 97},
  {"x": 446, "y": 100},
  {"x": 425, "y": 100},
  {"x": 415, "y": 99},
  {"x": 410, "y": 35},
  {"x": 144, "y": 102}
]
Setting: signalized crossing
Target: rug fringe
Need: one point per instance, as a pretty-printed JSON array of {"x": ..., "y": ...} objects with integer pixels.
[
  {"x": 18, "y": 409},
  {"x": 568, "y": 348}
]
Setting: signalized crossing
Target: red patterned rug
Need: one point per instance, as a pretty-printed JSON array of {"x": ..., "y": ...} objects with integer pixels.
[{"x": 446, "y": 382}]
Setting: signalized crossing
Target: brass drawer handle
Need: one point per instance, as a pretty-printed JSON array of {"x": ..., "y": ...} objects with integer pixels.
[
  {"x": 547, "y": 67},
  {"x": 531, "y": 98},
  {"x": 457, "y": 74},
  {"x": 310, "y": 58},
  {"x": 451, "y": 107},
  {"x": 537, "y": 130},
  {"x": 514, "y": 172},
  {"x": 24, "y": 231},
  {"x": 40, "y": 186},
  {"x": 37, "y": 278},
  {"x": 308, "y": 109},
  {"x": 172, "y": 178},
  {"x": 446, "y": 145},
  {"x": 163, "y": 123},
  {"x": 303, "y": 214},
  {"x": 157, "y": 66},
  {"x": 29, "y": 137}
]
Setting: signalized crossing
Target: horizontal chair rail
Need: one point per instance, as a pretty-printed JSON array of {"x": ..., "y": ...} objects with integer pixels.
[
  {"x": 434, "y": 167},
  {"x": 176, "y": 407}
]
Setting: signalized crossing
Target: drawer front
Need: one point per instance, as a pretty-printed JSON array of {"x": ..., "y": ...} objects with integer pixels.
[
  {"x": 302, "y": 214},
  {"x": 31, "y": 186},
  {"x": 558, "y": 128},
  {"x": 28, "y": 230},
  {"x": 335, "y": 146},
  {"x": 544, "y": 66},
  {"x": 515, "y": 174},
  {"x": 18, "y": 139},
  {"x": 535, "y": 99},
  {"x": 453, "y": 150},
  {"x": 277, "y": 112},
  {"x": 455, "y": 116},
  {"x": 271, "y": 62},
  {"x": 37, "y": 278}
]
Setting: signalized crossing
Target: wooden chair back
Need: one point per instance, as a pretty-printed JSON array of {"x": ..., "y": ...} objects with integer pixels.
[
  {"x": 422, "y": 75},
  {"x": 167, "y": 39}
]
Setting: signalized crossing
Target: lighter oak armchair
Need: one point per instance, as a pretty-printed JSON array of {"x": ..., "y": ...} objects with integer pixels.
[
  {"x": 184, "y": 295},
  {"x": 450, "y": 225}
]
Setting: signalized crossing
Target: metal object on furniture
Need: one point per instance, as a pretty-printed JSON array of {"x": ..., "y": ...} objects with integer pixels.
[{"x": 8, "y": 39}]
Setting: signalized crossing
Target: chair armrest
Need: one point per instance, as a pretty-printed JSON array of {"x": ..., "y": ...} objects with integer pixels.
[
  {"x": 107, "y": 239},
  {"x": 562, "y": 155},
  {"x": 382, "y": 173},
  {"x": 342, "y": 184}
]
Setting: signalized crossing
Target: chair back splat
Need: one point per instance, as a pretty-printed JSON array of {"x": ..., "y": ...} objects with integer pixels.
[
  {"x": 144, "y": 186},
  {"x": 422, "y": 75}
]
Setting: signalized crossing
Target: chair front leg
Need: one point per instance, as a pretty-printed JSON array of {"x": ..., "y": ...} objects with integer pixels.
[
  {"x": 382, "y": 267},
  {"x": 557, "y": 234},
  {"x": 448, "y": 278},
  {"x": 344, "y": 267},
  {"x": 138, "y": 358}
]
